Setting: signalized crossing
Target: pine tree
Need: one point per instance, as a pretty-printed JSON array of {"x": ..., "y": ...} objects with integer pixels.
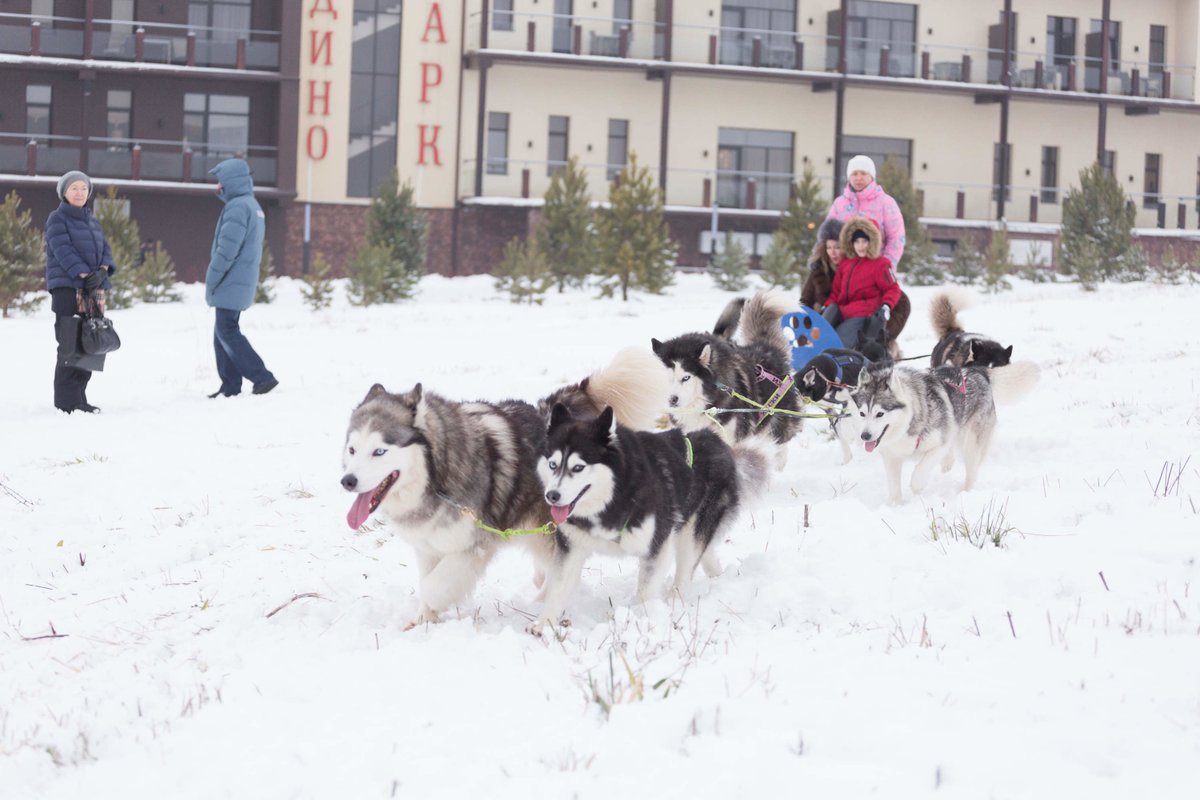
[
  {"x": 1097, "y": 212},
  {"x": 125, "y": 241},
  {"x": 317, "y": 290},
  {"x": 156, "y": 277},
  {"x": 920, "y": 253},
  {"x": 997, "y": 263},
  {"x": 397, "y": 224},
  {"x": 566, "y": 237},
  {"x": 525, "y": 274},
  {"x": 967, "y": 267},
  {"x": 1035, "y": 270},
  {"x": 730, "y": 267},
  {"x": 373, "y": 276},
  {"x": 805, "y": 213},
  {"x": 634, "y": 244},
  {"x": 265, "y": 292},
  {"x": 781, "y": 266},
  {"x": 22, "y": 259}
]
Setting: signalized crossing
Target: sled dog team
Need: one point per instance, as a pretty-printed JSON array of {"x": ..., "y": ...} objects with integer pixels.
[{"x": 588, "y": 469}]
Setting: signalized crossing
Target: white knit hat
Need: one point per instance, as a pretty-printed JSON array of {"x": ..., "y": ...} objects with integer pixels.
[
  {"x": 69, "y": 178},
  {"x": 860, "y": 164}
]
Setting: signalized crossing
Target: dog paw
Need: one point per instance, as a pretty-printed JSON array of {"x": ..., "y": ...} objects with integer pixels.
[{"x": 427, "y": 616}]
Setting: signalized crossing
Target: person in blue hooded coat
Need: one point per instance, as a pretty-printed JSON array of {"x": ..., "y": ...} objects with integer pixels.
[
  {"x": 77, "y": 258},
  {"x": 232, "y": 278}
]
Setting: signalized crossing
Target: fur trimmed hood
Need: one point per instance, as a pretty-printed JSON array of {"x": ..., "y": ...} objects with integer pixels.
[
  {"x": 830, "y": 229},
  {"x": 874, "y": 242}
]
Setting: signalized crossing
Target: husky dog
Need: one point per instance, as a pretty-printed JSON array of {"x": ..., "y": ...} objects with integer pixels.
[
  {"x": 925, "y": 414},
  {"x": 428, "y": 463},
  {"x": 620, "y": 492},
  {"x": 830, "y": 377},
  {"x": 705, "y": 366},
  {"x": 956, "y": 347}
]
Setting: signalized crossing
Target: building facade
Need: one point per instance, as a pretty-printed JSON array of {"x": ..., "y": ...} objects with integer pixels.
[{"x": 994, "y": 106}]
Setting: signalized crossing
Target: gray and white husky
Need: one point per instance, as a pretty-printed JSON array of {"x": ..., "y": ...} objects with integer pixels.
[
  {"x": 924, "y": 415},
  {"x": 427, "y": 462},
  {"x": 704, "y": 367},
  {"x": 956, "y": 347},
  {"x": 620, "y": 492}
]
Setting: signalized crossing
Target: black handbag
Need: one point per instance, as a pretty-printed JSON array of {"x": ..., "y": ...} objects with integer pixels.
[
  {"x": 96, "y": 332},
  {"x": 69, "y": 352}
]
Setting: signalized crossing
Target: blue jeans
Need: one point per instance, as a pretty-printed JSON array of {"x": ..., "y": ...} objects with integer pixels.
[{"x": 236, "y": 358}]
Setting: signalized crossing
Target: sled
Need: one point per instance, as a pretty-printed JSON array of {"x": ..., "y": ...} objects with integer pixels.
[{"x": 809, "y": 334}]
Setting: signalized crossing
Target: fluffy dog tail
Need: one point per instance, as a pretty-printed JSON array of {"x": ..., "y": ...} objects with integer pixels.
[
  {"x": 1013, "y": 381},
  {"x": 753, "y": 457},
  {"x": 727, "y": 323},
  {"x": 635, "y": 384},
  {"x": 944, "y": 308},
  {"x": 760, "y": 321}
]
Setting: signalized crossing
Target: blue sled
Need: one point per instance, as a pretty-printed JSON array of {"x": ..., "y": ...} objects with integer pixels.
[{"x": 809, "y": 334}]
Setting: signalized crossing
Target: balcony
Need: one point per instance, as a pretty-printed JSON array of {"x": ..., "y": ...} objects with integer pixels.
[
  {"x": 125, "y": 40},
  {"x": 129, "y": 159},
  {"x": 971, "y": 64}
]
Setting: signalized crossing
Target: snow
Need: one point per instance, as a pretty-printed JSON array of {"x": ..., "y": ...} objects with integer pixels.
[{"x": 855, "y": 656}]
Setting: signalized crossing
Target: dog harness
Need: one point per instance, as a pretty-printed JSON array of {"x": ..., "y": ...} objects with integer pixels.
[{"x": 505, "y": 533}]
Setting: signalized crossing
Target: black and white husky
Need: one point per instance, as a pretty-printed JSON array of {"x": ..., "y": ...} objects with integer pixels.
[
  {"x": 955, "y": 346},
  {"x": 705, "y": 367},
  {"x": 924, "y": 415},
  {"x": 428, "y": 462},
  {"x": 620, "y": 492}
]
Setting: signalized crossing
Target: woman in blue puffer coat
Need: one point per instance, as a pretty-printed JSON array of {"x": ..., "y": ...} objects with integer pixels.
[{"x": 77, "y": 257}]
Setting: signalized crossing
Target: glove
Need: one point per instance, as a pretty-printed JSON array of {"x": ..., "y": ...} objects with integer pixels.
[
  {"x": 95, "y": 279},
  {"x": 885, "y": 312}
]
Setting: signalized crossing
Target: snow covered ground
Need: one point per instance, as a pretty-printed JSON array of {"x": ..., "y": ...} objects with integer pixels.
[{"x": 143, "y": 551}]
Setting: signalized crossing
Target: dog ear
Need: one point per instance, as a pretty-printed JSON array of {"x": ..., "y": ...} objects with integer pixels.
[
  {"x": 706, "y": 357},
  {"x": 606, "y": 425},
  {"x": 559, "y": 415},
  {"x": 412, "y": 398},
  {"x": 656, "y": 346},
  {"x": 1008, "y": 353},
  {"x": 375, "y": 391}
]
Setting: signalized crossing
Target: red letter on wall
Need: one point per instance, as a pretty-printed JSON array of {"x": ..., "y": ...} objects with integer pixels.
[
  {"x": 430, "y": 143},
  {"x": 434, "y": 23},
  {"x": 316, "y": 47},
  {"x": 324, "y": 141},
  {"x": 316, "y": 9},
  {"x": 314, "y": 98},
  {"x": 431, "y": 76}
]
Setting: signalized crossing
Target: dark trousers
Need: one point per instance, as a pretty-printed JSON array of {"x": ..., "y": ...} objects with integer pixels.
[
  {"x": 236, "y": 358},
  {"x": 70, "y": 383}
]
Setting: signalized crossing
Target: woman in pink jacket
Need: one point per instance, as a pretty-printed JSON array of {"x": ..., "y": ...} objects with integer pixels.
[{"x": 863, "y": 197}]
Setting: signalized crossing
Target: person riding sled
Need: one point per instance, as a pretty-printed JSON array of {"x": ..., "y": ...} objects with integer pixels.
[{"x": 864, "y": 292}]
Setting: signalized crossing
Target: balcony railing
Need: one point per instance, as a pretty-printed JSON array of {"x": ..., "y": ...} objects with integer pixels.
[
  {"x": 742, "y": 191},
  {"x": 129, "y": 159},
  {"x": 753, "y": 47},
  {"x": 125, "y": 40}
]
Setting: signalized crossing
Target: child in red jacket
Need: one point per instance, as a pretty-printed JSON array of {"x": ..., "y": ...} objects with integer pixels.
[{"x": 864, "y": 290}]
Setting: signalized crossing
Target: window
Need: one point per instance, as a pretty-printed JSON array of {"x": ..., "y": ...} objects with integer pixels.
[
  {"x": 497, "y": 143},
  {"x": 374, "y": 95},
  {"x": 1109, "y": 162},
  {"x": 1060, "y": 40},
  {"x": 754, "y": 158},
  {"x": 563, "y": 26},
  {"x": 1158, "y": 49},
  {"x": 1095, "y": 55},
  {"x": 871, "y": 25},
  {"x": 37, "y": 110},
  {"x": 1049, "y": 188},
  {"x": 217, "y": 125},
  {"x": 556, "y": 155},
  {"x": 772, "y": 22},
  {"x": 1151, "y": 186},
  {"x": 1001, "y": 178},
  {"x": 879, "y": 148},
  {"x": 502, "y": 16},
  {"x": 223, "y": 20},
  {"x": 118, "y": 124},
  {"x": 622, "y": 15},
  {"x": 43, "y": 9},
  {"x": 618, "y": 146},
  {"x": 1198, "y": 185}
]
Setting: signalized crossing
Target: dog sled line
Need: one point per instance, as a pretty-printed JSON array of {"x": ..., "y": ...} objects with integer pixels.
[{"x": 460, "y": 480}]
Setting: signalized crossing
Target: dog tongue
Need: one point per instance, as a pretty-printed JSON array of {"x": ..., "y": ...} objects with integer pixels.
[
  {"x": 359, "y": 511},
  {"x": 559, "y": 514},
  {"x": 871, "y": 445}
]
